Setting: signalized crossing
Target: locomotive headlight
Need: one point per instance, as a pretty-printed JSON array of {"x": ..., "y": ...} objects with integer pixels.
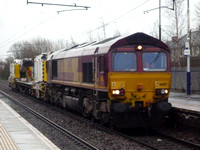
[
  {"x": 166, "y": 91},
  {"x": 115, "y": 92},
  {"x": 162, "y": 91},
  {"x": 139, "y": 47},
  {"x": 120, "y": 92}
]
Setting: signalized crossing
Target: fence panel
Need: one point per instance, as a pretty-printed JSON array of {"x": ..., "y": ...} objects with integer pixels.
[{"x": 179, "y": 79}]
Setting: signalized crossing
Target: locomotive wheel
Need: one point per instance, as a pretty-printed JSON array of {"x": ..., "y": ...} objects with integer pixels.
[
  {"x": 51, "y": 100},
  {"x": 60, "y": 102},
  {"x": 86, "y": 108},
  {"x": 85, "y": 112}
]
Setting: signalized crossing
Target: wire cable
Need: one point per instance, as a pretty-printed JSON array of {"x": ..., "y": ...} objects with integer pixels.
[
  {"x": 36, "y": 17},
  {"x": 113, "y": 21},
  {"x": 8, "y": 41},
  {"x": 25, "y": 33}
]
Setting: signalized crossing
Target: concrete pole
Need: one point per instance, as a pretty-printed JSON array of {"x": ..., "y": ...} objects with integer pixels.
[
  {"x": 159, "y": 19},
  {"x": 188, "y": 56}
]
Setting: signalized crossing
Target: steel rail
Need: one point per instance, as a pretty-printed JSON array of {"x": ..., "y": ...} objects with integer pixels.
[
  {"x": 108, "y": 130},
  {"x": 190, "y": 144},
  {"x": 75, "y": 138},
  {"x": 143, "y": 143},
  {"x": 78, "y": 117}
]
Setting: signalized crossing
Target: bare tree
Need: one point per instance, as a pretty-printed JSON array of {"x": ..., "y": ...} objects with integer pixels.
[
  {"x": 73, "y": 42},
  {"x": 154, "y": 30},
  {"x": 103, "y": 26},
  {"x": 116, "y": 33},
  {"x": 176, "y": 28},
  {"x": 30, "y": 49},
  {"x": 198, "y": 15},
  {"x": 42, "y": 45},
  {"x": 99, "y": 36},
  {"x": 1, "y": 66},
  {"x": 22, "y": 49},
  {"x": 90, "y": 36},
  {"x": 60, "y": 44},
  {"x": 6, "y": 70}
]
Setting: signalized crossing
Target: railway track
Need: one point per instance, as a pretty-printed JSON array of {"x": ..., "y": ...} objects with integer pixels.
[
  {"x": 156, "y": 141},
  {"x": 4, "y": 84},
  {"x": 184, "y": 116},
  {"x": 189, "y": 144},
  {"x": 82, "y": 143}
]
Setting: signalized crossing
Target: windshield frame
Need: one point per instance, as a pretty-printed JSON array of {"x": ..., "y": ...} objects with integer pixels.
[
  {"x": 152, "y": 65},
  {"x": 125, "y": 52}
]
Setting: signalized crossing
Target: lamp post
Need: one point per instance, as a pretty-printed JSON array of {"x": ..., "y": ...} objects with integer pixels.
[
  {"x": 188, "y": 56},
  {"x": 159, "y": 19}
]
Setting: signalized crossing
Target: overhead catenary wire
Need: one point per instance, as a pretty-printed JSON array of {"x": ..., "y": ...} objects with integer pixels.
[
  {"x": 25, "y": 26},
  {"x": 25, "y": 33},
  {"x": 113, "y": 21},
  {"x": 11, "y": 40},
  {"x": 69, "y": 10},
  {"x": 74, "y": 5}
]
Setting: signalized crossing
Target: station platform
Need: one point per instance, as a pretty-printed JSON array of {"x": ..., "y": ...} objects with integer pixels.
[
  {"x": 17, "y": 134},
  {"x": 184, "y": 101}
]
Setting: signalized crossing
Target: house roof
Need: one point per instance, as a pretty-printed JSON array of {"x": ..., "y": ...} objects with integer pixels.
[{"x": 195, "y": 40}]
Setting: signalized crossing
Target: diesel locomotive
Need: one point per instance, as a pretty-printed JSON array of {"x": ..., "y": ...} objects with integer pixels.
[{"x": 124, "y": 81}]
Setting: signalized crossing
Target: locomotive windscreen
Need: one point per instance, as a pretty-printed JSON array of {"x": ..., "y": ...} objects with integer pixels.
[
  {"x": 154, "y": 61},
  {"x": 124, "y": 61}
]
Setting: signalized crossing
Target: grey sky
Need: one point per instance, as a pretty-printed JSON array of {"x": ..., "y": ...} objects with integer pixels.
[{"x": 19, "y": 21}]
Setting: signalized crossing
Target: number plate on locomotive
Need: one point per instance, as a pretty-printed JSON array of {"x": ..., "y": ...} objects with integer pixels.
[{"x": 161, "y": 84}]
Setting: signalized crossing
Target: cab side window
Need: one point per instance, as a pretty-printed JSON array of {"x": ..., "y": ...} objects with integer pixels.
[
  {"x": 102, "y": 64},
  {"x": 54, "y": 68},
  {"x": 88, "y": 72}
]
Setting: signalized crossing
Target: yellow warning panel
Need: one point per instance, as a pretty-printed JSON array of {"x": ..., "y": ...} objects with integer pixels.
[
  {"x": 17, "y": 71},
  {"x": 44, "y": 72}
]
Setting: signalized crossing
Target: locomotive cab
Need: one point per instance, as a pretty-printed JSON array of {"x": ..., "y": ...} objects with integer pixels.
[{"x": 139, "y": 83}]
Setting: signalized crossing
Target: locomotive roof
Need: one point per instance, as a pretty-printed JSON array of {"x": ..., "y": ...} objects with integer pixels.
[{"x": 104, "y": 46}]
